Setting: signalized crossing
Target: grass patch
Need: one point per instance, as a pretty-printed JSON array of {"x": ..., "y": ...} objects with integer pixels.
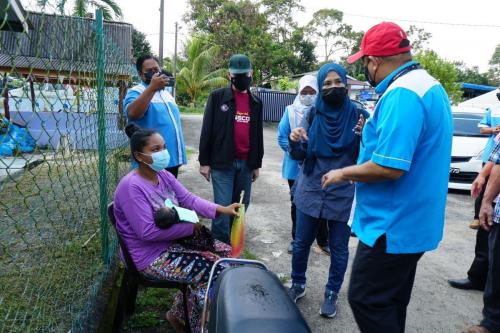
[
  {"x": 189, "y": 152},
  {"x": 249, "y": 255},
  {"x": 144, "y": 319},
  {"x": 191, "y": 110},
  {"x": 149, "y": 315},
  {"x": 48, "y": 278},
  {"x": 49, "y": 284},
  {"x": 156, "y": 297},
  {"x": 284, "y": 278}
]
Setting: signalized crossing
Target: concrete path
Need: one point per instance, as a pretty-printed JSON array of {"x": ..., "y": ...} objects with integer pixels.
[{"x": 434, "y": 307}]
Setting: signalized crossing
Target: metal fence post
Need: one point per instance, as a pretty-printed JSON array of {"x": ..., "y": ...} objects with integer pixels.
[{"x": 101, "y": 133}]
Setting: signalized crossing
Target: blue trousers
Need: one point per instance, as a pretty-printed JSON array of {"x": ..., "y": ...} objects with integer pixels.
[
  {"x": 228, "y": 184},
  {"x": 338, "y": 241}
]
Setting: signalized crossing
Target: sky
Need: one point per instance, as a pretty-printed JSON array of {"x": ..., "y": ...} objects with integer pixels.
[{"x": 467, "y": 31}]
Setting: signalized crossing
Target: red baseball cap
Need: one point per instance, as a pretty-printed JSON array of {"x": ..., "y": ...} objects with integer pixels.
[{"x": 382, "y": 40}]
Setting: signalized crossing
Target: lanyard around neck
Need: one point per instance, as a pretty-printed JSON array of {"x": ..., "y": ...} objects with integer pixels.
[{"x": 404, "y": 72}]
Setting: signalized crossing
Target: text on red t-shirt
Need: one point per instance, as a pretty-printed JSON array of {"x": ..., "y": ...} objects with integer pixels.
[{"x": 241, "y": 125}]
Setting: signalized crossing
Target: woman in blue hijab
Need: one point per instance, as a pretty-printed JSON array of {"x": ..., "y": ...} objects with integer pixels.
[
  {"x": 325, "y": 141},
  {"x": 293, "y": 118}
]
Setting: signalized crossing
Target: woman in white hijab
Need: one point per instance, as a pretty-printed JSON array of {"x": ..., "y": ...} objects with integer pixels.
[{"x": 295, "y": 116}]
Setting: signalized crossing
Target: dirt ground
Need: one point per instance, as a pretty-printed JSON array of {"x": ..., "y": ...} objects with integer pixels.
[{"x": 434, "y": 306}]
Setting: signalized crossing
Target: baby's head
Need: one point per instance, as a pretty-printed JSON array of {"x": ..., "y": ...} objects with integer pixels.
[{"x": 165, "y": 217}]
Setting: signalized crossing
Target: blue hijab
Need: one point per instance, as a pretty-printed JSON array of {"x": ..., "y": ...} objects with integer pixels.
[{"x": 331, "y": 132}]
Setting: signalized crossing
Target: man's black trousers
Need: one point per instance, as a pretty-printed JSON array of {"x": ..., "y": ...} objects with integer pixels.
[
  {"x": 491, "y": 310},
  {"x": 380, "y": 287}
]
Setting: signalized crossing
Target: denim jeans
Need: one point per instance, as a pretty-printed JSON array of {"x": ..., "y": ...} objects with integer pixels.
[
  {"x": 322, "y": 236},
  {"x": 338, "y": 241},
  {"x": 228, "y": 184}
]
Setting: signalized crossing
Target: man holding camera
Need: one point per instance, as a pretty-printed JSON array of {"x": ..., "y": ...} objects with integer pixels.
[{"x": 150, "y": 105}]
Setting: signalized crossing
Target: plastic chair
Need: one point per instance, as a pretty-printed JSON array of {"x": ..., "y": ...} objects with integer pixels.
[{"x": 131, "y": 281}]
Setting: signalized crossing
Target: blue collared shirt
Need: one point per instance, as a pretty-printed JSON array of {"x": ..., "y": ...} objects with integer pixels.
[
  {"x": 410, "y": 130},
  {"x": 163, "y": 116}
]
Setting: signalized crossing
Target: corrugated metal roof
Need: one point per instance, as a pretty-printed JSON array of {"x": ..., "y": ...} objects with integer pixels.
[
  {"x": 56, "y": 67},
  {"x": 65, "y": 43}
]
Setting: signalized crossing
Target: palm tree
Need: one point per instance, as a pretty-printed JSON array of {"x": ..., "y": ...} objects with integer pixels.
[
  {"x": 196, "y": 76},
  {"x": 81, "y": 8}
]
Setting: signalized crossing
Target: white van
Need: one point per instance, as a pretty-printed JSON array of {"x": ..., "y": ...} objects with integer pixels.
[{"x": 468, "y": 147}]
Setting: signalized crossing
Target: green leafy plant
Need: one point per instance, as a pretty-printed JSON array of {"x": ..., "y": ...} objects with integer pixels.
[
  {"x": 444, "y": 71},
  {"x": 197, "y": 76},
  {"x": 82, "y": 8}
]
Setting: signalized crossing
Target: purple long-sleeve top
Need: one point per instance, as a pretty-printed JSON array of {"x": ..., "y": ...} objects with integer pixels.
[{"x": 135, "y": 201}]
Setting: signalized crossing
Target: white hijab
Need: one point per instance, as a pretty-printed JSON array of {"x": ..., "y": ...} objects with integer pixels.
[{"x": 297, "y": 111}]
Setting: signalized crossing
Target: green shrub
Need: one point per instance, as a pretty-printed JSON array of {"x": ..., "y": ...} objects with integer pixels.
[{"x": 194, "y": 110}]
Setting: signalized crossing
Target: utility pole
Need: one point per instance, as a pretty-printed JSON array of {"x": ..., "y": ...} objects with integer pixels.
[
  {"x": 160, "y": 53},
  {"x": 175, "y": 60}
]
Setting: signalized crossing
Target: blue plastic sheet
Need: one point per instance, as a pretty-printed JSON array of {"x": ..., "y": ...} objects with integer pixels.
[{"x": 15, "y": 138}]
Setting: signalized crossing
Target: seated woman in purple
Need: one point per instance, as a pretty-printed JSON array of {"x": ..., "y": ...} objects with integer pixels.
[{"x": 156, "y": 252}]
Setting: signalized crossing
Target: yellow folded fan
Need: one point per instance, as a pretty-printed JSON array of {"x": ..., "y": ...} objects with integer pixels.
[{"x": 238, "y": 230}]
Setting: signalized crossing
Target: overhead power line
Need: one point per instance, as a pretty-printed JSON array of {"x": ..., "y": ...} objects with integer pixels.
[
  {"x": 168, "y": 32},
  {"x": 427, "y": 22}
]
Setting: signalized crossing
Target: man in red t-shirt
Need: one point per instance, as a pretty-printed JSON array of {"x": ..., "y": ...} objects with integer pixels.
[{"x": 231, "y": 141}]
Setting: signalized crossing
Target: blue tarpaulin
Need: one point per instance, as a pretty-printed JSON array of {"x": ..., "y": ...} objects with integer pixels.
[{"x": 14, "y": 138}]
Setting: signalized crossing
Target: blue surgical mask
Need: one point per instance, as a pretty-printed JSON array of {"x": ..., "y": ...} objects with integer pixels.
[
  {"x": 307, "y": 100},
  {"x": 160, "y": 160}
]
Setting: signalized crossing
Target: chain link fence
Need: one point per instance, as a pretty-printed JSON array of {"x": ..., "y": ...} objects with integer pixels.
[{"x": 62, "y": 152}]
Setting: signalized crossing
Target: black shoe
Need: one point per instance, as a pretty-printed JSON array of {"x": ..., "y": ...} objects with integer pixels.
[{"x": 464, "y": 284}]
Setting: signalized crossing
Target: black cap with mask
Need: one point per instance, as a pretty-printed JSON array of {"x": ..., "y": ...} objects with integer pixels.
[{"x": 240, "y": 68}]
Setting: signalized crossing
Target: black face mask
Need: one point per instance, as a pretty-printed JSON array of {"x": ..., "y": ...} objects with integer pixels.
[
  {"x": 498, "y": 96},
  {"x": 149, "y": 76},
  {"x": 334, "y": 97},
  {"x": 368, "y": 78},
  {"x": 241, "y": 81}
]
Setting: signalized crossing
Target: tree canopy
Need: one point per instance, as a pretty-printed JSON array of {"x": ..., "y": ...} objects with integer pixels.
[
  {"x": 327, "y": 29},
  {"x": 444, "y": 71},
  {"x": 494, "y": 71},
  {"x": 197, "y": 75},
  {"x": 83, "y": 8},
  {"x": 140, "y": 44},
  {"x": 265, "y": 31},
  {"x": 419, "y": 38},
  {"x": 279, "y": 47},
  {"x": 471, "y": 74}
]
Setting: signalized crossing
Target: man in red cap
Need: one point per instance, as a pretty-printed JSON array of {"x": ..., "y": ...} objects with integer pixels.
[{"x": 401, "y": 179}]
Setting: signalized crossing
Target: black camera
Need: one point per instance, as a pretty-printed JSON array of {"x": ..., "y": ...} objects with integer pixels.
[{"x": 171, "y": 79}]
